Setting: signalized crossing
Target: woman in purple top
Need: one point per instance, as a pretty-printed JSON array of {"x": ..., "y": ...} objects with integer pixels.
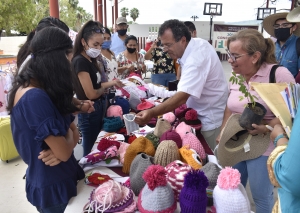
[{"x": 40, "y": 105}]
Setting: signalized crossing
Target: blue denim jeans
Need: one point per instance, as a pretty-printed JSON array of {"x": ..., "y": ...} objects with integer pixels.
[
  {"x": 90, "y": 125},
  {"x": 260, "y": 185},
  {"x": 60, "y": 208},
  {"x": 163, "y": 78}
]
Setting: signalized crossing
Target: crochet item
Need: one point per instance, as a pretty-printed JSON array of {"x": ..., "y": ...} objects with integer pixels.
[
  {"x": 110, "y": 196},
  {"x": 122, "y": 150},
  {"x": 162, "y": 126},
  {"x": 191, "y": 118},
  {"x": 123, "y": 103},
  {"x": 144, "y": 105},
  {"x": 190, "y": 140},
  {"x": 180, "y": 111},
  {"x": 154, "y": 139},
  {"x": 101, "y": 155},
  {"x": 96, "y": 179},
  {"x": 114, "y": 111},
  {"x": 131, "y": 126},
  {"x": 139, "y": 145},
  {"x": 190, "y": 157},
  {"x": 211, "y": 171},
  {"x": 169, "y": 117},
  {"x": 106, "y": 143},
  {"x": 167, "y": 152},
  {"x": 193, "y": 197},
  {"x": 138, "y": 166},
  {"x": 134, "y": 101},
  {"x": 176, "y": 172},
  {"x": 183, "y": 128},
  {"x": 112, "y": 124},
  {"x": 229, "y": 194},
  {"x": 172, "y": 135},
  {"x": 157, "y": 195}
]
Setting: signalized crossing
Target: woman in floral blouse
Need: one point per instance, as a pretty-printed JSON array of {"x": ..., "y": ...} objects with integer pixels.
[
  {"x": 130, "y": 61},
  {"x": 164, "y": 69}
]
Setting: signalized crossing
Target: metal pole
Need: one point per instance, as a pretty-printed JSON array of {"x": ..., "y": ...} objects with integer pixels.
[
  {"x": 105, "y": 16},
  {"x": 211, "y": 21},
  {"x": 112, "y": 17},
  {"x": 54, "y": 9},
  {"x": 116, "y": 10},
  {"x": 100, "y": 12},
  {"x": 95, "y": 10}
]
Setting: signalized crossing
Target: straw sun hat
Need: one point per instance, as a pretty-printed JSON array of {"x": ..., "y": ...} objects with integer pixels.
[
  {"x": 294, "y": 15},
  {"x": 234, "y": 141},
  {"x": 270, "y": 20}
]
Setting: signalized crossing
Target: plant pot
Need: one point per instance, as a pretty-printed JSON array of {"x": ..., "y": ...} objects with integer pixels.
[{"x": 252, "y": 115}]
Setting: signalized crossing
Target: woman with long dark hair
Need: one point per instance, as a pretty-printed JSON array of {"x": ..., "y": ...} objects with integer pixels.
[
  {"x": 40, "y": 106},
  {"x": 87, "y": 48}
]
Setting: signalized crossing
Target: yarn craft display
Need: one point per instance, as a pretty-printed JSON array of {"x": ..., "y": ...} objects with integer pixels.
[
  {"x": 96, "y": 179},
  {"x": 102, "y": 155}
]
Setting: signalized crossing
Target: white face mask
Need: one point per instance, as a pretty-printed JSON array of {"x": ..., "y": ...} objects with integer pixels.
[{"x": 93, "y": 52}]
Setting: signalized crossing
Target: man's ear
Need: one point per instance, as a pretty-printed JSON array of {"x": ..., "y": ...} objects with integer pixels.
[{"x": 294, "y": 27}]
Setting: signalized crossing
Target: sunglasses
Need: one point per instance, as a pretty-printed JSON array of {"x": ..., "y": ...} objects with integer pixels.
[{"x": 96, "y": 30}]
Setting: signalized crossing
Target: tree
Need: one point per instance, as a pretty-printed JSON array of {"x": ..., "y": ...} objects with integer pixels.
[
  {"x": 134, "y": 13},
  {"x": 124, "y": 11}
]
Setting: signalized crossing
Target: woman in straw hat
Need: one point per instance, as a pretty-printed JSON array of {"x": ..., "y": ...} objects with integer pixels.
[
  {"x": 252, "y": 56},
  {"x": 283, "y": 170},
  {"x": 286, "y": 33}
]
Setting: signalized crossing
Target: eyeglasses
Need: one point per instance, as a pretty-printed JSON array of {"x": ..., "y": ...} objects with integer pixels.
[
  {"x": 283, "y": 25},
  {"x": 166, "y": 47},
  {"x": 234, "y": 57}
]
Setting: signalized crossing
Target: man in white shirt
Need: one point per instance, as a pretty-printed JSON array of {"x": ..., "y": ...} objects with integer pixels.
[
  {"x": 202, "y": 85},
  {"x": 117, "y": 38}
]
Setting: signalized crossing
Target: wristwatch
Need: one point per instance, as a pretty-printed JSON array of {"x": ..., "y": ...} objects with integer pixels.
[{"x": 279, "y": 137}]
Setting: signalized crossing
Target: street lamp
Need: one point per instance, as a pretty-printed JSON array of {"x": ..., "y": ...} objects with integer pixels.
[
  {"x": 194, "y": 17},
  {"x": 263, "y": 13},
  {"x": 212, "y": 9}
]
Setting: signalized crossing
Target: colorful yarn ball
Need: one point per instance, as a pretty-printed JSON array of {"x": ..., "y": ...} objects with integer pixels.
[
  {"x": 229, "y": 178},
  {"x": 109, "y": 193},
  {"x": 155, "y": 175}
]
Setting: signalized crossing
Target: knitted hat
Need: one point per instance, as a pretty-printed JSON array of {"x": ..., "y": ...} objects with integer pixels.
[
  {"x": 112, "y": 124},
  {"x": 211, "y": 171},
  {"x": 166, "y": 152},
  {"x": 153, "y": 138},
  {"x": 169, "y": 117},
  {"x": 192, "y": 197},
  {"x": 123, "y": 103},
  {"x": 176, "y": 172},
  {"x": 229, "y": 194},
  {"x": 110, "y": 196},
  {"x": 172, "y": 135},
  {"x": 180, "y": 111},
  {"x": 190, "y": 157},
  {"x": 114, "y": 111},
  {"x": 134, "y": 100},
  {"x": 106, "y": 143},
  {"x": 139, "y": 145},
  {"x": 191, "y": 140},
  {"x": 183, "y": 128},
  {"x": 122, "y": 150},
  {"x": 162, "y": 126},
  {"x": 191, "y": 118},
  {"x": 144, "y": 105},
  {"x": 138, "y": 166},
  {"x": 157, "y": 195}
]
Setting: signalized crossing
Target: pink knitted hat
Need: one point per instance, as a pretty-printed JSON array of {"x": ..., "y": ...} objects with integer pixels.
[
  {"x": 183, "y": 128},
  {"x": 114, "y": 111},
  {"x": 180, "y": 111},
  {"x": 175, "y": 175},
  {"x": 191, "y": 140},
  {"x": 171, "y": 135},
  {"x": 169, "y": 117},
  {"x": 191, "y": 118},
  {"x": 122, "y": 150}
]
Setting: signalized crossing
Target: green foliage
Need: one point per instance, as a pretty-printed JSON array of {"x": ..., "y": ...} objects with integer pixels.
[
  {"x": 124, "y": 11},
  {"x": 134, "y": 13},
  {"x": 240, "y": 80}
]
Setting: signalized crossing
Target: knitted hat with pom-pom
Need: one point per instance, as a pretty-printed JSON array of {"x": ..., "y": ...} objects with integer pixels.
[
  {"x": 154, "y": 139},
  {"x": 172, "y": 135},
  {"x": 229, "y": 194},
  {"x": 138, "y": 166},
  {"x": 169, "y": 117},
  {"x": 191, "y": 118},
  {"x": 193, "y": 197},
  {"x": 176, "y": 172},
  {"x": 157, "y": 195},
  {"x": 190, "y": 157},
  {"x": 139, "y": 145},
  {"x": 180, "y": 111},
  {"x": 190, "y": 140},
  {"x": 166, "y": 152},
  {"x": 162, "y": 126}
]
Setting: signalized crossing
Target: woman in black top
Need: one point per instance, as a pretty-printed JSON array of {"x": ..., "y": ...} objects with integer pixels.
[{"x": 87, "y": 48}]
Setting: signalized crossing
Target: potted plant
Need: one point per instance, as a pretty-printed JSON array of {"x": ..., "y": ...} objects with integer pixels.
[{"x": 254, "y": 112}]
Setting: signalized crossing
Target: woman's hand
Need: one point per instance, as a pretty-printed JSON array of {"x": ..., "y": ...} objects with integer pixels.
[
  {"x": 118, "y": 83},
  {"x": 258, "y": 129},
  {"x": 48, "y": 157},
  {"x": 218, "y": 139},
  {"x": 130, "y": 68},
  {"x": 277, "y": 130}
]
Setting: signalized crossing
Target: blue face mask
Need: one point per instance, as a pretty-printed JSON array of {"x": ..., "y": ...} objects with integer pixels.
[{"x": 106, "y": 44}]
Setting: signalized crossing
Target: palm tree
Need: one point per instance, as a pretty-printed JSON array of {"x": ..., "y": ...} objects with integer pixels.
[
  {"x": 134, "y": 13},
  {"x": 124, "y": 11}
]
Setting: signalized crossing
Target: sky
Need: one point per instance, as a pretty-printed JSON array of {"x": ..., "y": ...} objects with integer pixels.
[{"x": 157, "y": 11}]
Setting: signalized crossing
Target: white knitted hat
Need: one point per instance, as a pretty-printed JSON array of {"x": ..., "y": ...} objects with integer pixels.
[{"x": 229, "y": 194}]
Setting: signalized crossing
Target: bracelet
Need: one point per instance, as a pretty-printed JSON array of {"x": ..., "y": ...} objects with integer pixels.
[{"x": 279, "y": 137}]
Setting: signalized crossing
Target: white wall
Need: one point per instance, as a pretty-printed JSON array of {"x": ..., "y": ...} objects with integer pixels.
[{"x": 10, "y": 45}]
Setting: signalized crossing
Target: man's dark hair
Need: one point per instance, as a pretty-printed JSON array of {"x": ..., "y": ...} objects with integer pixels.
[
  {"x": 178, "y": 29},
  {"x": 190, "y": 25},
  {"x": 48, "y": 69}
]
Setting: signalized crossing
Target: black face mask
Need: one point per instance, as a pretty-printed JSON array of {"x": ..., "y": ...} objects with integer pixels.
[
  {"x": 131, "y": 50},
  {"x": 122, "y": 32},
  {"x": 282, "y": 34}
]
